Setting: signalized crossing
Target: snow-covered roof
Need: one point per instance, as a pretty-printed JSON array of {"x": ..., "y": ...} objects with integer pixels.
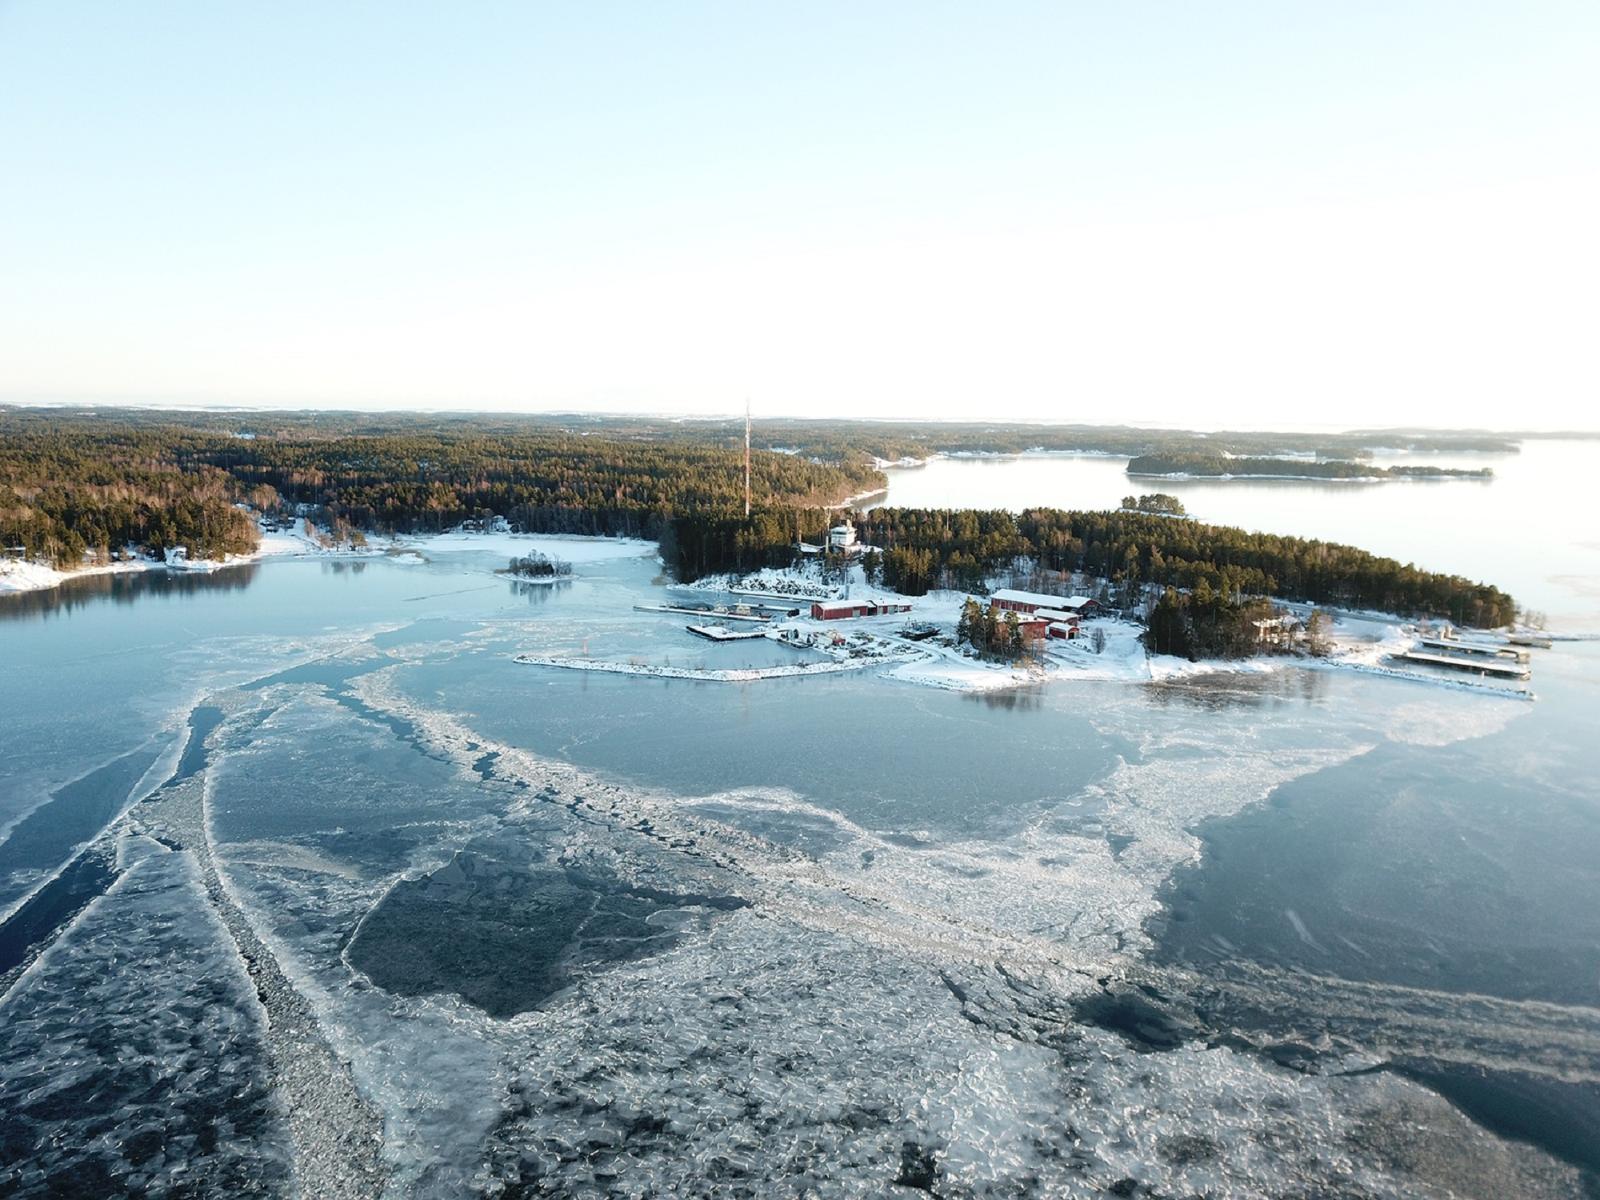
[
  {"x": 1037, "y": 599},
  {"x": 1055, "y": 614}
]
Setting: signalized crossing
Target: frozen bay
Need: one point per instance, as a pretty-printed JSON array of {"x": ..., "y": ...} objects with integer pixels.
[{"x": 577, "y": 934}]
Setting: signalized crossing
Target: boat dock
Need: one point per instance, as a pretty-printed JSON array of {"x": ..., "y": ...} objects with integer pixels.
[
  {"x": 721, "y": 633},
  {"x": 1530, "y": 639},
  {"x": 1488, "y": 649},
  {"x": 1482, "y": 664},
  {"x": 714, "y": 613}
]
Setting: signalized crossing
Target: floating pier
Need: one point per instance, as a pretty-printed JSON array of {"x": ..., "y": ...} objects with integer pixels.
[
  {"x": 721, "y": 633},
  {"x": 1488, "y": 649},
  {"x": 717, "y": 614},
  {"x": 1481, "y": 664}
]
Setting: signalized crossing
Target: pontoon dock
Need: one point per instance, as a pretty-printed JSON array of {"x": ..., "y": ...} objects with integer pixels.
[
  {"x": 1483, "y": 664},
  {"x": 721, "y": 633},
  {"x": 1490, "y": 649},
  {"x": 708, "y": 613}
]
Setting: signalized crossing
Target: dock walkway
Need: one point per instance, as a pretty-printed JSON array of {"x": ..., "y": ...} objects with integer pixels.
[
  {"x": 709, "y": 614},
  {"x": 721, "y": 633},
  {"x": 1482, "y": 665},
  {"x": 1489, "y": 649}
]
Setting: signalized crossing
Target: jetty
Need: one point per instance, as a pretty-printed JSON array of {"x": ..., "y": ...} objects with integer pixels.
[
  {"x": 1481, "y": 664},
  {"x": 721, "y": 633},
  {"x": 720, "y": 613},
  {"x": 1487, "y": 649}
]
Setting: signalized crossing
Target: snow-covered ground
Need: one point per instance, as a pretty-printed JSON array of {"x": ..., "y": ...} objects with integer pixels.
[
  {"x": 805, "y": 583},
  {"x": 1361, "y": 641},
  {"x": 22, "y": 576}
]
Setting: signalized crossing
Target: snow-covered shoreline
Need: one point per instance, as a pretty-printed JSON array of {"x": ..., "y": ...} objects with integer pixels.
[
  {"x": 21, "y": 575},
  {"x": 24, "y": 576},
  {"x": 1362, "y": 641}
]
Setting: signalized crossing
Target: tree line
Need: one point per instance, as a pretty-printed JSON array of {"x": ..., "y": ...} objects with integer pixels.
[
  {"x": 75, "y": 485},
  {"x": 929, "y": 548}
]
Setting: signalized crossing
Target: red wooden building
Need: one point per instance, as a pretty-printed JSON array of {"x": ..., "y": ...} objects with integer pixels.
[
  {"x": 839, "y": 610},
  {"x": 1028, "y": 602}
]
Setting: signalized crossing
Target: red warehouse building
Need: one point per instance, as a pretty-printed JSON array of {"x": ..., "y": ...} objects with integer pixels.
[{"x": 839, "y": 610}]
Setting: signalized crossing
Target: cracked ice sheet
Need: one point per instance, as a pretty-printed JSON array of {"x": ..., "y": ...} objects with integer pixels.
[
  {"x": 165, "y": 1092},
  {"x": 81, "y": 713},
  {"x": 313, "y": 819},
  {"x": 836, "y": 968},
  {"x": 770, "y": 1060},
  {"x": 801, "y": 1045},
  {"x": 1057, "y": 893}
]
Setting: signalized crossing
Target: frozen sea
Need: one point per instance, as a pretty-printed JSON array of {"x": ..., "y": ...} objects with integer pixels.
[{"x": 308, "y": 888}]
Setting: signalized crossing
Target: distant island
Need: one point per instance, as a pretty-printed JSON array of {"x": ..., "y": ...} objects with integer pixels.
[{"x": 1221, "y": 466}]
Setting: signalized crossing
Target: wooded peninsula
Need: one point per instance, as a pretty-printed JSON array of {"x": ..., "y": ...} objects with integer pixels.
[{"x": 81, "y": 485}]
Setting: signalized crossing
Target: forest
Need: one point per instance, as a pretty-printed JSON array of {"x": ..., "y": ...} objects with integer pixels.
[
  {"x": 73, "y": 485},
  {"x": 927, "y": 548},
  {"x": 919, "y": 550},
  {"x": 76, "y": 482}
]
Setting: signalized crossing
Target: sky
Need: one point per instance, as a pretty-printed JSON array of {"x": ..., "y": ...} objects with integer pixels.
[{"x": 1211, "y": 215}]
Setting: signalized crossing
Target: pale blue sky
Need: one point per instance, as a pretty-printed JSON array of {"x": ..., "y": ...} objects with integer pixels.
[{"x": 1216, "y": 214}]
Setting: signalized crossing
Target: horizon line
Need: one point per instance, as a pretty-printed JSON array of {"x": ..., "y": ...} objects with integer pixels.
[{"x": 222, "y": 408}]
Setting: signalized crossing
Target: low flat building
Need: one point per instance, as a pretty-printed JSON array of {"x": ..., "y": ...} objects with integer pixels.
[
  {"x": 841, "y": 610},
  {"x": 1023, "y": 602},
  {"x": 1032, "y": 602},
  {"x": 1056, "y": 614}
]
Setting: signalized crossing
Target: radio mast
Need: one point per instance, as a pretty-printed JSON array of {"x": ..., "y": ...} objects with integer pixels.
[{"x": 747, "y": 458}]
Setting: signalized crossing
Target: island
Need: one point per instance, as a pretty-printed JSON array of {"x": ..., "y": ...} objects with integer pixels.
[{"x": 1206, "y": 465}]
